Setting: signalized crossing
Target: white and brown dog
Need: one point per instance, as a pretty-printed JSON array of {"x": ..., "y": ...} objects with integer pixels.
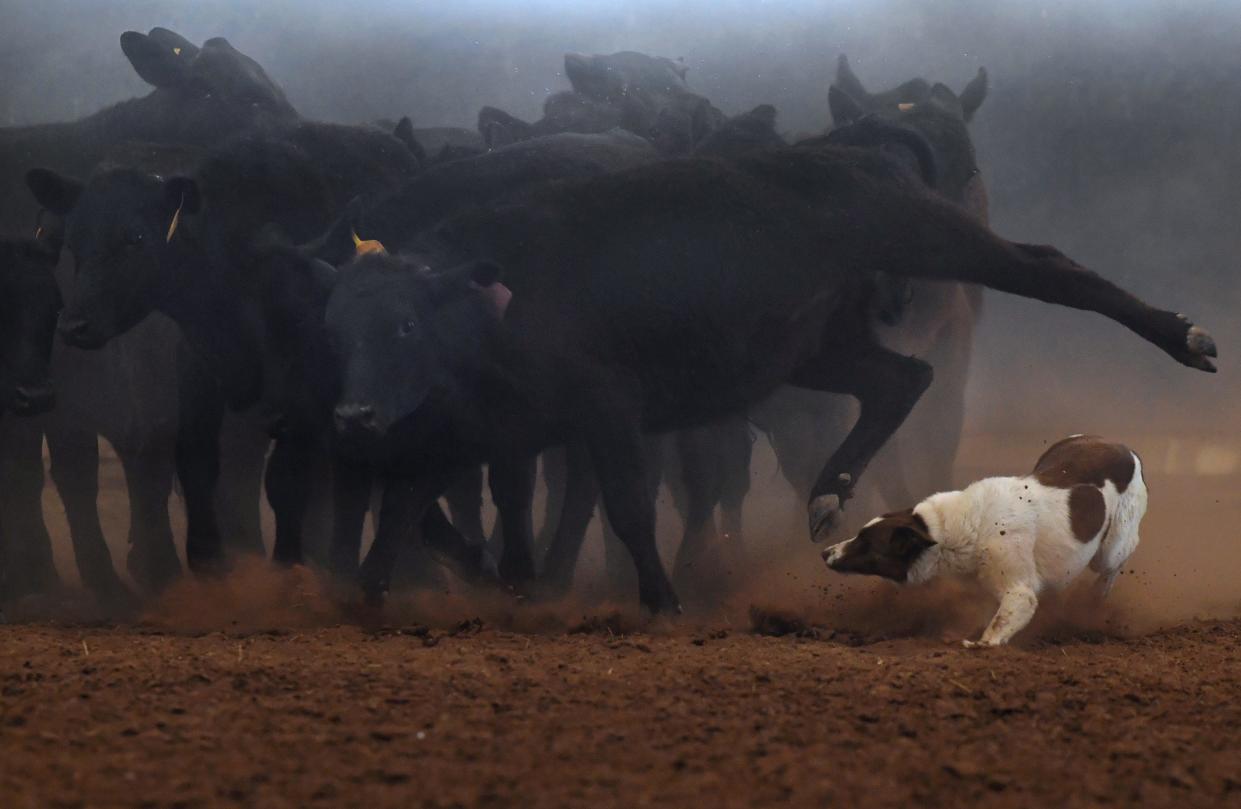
[{"x": 1018, "y": 536}]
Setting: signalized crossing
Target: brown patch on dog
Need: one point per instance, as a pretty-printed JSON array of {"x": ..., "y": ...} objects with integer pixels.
[
  {"x": 1085, "y": 459},
  {"x": 1087, "y": 511}
]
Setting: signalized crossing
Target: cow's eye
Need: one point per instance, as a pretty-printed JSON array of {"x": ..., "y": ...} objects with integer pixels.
[{"x": 407, "y": 328}]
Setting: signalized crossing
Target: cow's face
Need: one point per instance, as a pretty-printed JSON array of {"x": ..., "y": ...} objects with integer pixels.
[
  {"x": 29, "y": 303},
  {"x": 118, "y": 228},
  {"x": 405, "y": 337},
  {"x": 888, "y": 547},
  {"x": 202, "y": 92}
]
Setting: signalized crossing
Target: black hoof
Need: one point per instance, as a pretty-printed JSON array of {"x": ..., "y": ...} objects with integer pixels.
[{"x": 825, "y": 513}]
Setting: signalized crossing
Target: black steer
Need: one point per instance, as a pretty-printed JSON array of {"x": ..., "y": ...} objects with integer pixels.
[
  {"x": 662, "y": 297},
  {"x": 200, "y": 95}
]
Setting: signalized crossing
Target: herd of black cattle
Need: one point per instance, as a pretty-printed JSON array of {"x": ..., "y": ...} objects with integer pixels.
[{"x": 393, "y": 307}]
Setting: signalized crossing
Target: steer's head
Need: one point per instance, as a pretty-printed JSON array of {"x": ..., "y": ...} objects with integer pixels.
[
  {"x": 29, "y": 302},
  {"x": 887, "y": 546},
  {"x": 936, "y": 113},
  {"x": 201, "y": 93},
  {"x": 118, "y": 227},
  {"x": 408, "y": 339}
]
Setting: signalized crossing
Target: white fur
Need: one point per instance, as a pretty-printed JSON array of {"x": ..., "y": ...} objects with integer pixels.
[{"x": 1013, "y": 535}]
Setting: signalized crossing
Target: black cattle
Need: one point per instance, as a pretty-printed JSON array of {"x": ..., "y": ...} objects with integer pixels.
[
  {"x": 434, "y": 195},
  {"x": 662, "y": 297},
  {"x": 934, "y": 321},
  {"x": 643, "y": 94},
  {"x": 199, "y": 96},
  {"x": 181, "y": 245},
  {"x": 29, "y": 304}
]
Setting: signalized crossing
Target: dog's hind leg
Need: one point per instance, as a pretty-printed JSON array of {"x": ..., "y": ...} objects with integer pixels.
[
  {"x": 1120, "y": 539},
  {"x": 1017, "y": 607}
]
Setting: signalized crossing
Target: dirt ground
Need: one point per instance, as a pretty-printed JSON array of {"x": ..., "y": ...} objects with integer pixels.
[
  {"x": 799, "y": 689},
  {"x": 479, "y": 717}
]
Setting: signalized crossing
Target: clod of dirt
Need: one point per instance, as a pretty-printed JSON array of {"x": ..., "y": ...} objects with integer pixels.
[
  {"x": 779, "y": 624},
  {"x": 610, "y": 624}
]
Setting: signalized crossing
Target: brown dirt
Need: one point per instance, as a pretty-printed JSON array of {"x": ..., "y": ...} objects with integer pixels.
[
  {"x": 474, "y": 716},
  {"x": 257, "y": 691}
]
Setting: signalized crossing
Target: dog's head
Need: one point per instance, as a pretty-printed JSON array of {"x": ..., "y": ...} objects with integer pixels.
[{"x": 887, "y": 546}]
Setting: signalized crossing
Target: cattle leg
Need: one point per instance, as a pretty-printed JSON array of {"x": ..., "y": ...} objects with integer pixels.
[
  {"x": 152, "y": 559},
  {"x": 736, "y": 456},
  {"x": 512, "y": 489},
  {"x": 288, "y": 492},
  {"x": 465, "y": 503},
  {"x": 238, "y": 497},
  {"x": 580, "y": 493},
  {"x": 468, "y": 560},
  {"x": 942, "y": 251},
  {"x": 887, "y": 386},
  {"x": 201, "y": 414},
  {"x": 405, "y": 501},
  {"x": 75, "y": 471},
  {"x": 352, "y": 484},
  {"x": 28, "y": 566},
  {"x": 703, "y": 480},
  {"x": 619, "y": 456},
  {"x": 556, "y": 481}
]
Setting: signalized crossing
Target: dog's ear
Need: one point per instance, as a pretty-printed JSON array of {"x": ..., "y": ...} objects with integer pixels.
[{"x": 908, "y": 541}]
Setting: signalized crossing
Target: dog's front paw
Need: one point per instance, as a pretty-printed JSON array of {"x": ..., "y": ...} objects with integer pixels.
[{"x": 978, "y": 644}]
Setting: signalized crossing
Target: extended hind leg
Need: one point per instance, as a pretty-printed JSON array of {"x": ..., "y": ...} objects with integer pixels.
[{"x": 886, "y": 385}]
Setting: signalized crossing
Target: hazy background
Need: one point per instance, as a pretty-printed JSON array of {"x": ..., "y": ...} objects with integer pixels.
[{"x": 1111, "y": 130}]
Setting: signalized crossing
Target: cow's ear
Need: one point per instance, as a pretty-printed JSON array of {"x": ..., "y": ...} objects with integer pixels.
[
  {"x": 179, "y": 45},
  {"x": 848, "y": 81},
  {"x": 181, "y": 199},
  {"x": 478, "y": 277},
  {"x": 845, "y": 110},
  {"x": 157, "y": 62},
  {"x": 404, "y": 132},
  {"x": 974, "y": 94},
  {"x": 53, "y": 191},
  {"x": 485, "y": 277}
]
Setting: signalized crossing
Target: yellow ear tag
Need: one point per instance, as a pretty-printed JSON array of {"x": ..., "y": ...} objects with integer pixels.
[
  {"x": 906, "y": 107},
  {"x": 364, "y": 246},
  {"x": 176, "y": 51},
  {"x": 176, "y": 220}
]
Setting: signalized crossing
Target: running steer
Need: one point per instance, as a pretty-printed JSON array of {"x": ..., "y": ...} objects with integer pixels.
[{"x": 659, "y": 298}]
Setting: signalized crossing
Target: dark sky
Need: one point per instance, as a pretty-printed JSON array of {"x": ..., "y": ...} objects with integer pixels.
[{"x": 1111, "y": 130}]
